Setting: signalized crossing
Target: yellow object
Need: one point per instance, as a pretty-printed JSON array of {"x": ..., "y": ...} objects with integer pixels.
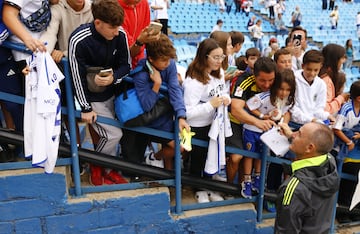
[{"x": 185, "y": 139}]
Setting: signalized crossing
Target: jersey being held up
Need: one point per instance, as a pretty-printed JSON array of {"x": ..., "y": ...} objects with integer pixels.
[{"x": 42, "y": 111}]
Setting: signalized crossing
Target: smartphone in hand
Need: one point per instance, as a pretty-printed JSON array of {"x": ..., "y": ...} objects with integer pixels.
[
  {"x": 106, "y": 72},
  {"x": 231, "y": 69},
  {"x": 297, "y": 40},
  {"x": 149, "y": 67},
  {"x": 155, "y": 27}
]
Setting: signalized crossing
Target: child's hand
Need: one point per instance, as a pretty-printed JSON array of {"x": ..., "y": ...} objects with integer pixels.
[
  {"x": 34, "y": 44},
  {"x": 216, "y": 101},
  {"x": 238, "y": 73},
  {"x": 155, "y": 76},
  {"x": 185, "y": 139},
  {"x": 229, "y": 76},
  {"x": 57, "y": 55},
  {"x": 26, "y": 70},
  {"x": 183, "y": 125},
  {"x": 275, "y": 114},
  {"x": 346, "y": 96},
  {"x": 332, "y": 119},
  {"x": 351, "y": 146},
  {"x": 226, "y": 100}
]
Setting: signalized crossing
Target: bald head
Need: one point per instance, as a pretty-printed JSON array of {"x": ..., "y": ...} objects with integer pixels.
[
  {"x": 312, "y": 139},
  {"x": 322, "y": 137}
]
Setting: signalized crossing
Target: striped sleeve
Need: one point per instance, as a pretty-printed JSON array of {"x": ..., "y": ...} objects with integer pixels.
[
  {"x": 289, "y": 191},
  {"x": 78, "y": 69}
]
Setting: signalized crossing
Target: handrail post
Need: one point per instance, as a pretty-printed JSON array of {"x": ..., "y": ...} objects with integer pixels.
[
  {"x": 340, "y": 163},
  {"x": 260, "y": 202},
  {"x": 72, "y": 127},
  {"x": 178, "y": 205}
]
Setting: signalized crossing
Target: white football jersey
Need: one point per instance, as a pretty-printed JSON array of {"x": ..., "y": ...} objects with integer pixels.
[{"x": 42, "y": 111}]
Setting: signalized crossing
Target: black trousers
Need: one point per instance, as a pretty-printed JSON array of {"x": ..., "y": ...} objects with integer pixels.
[
  {"x": 133, "y": 146},
  {"x": 198, "y": 154},
  {"x": 347, "y": 187},
  {"x": 164, "y": 28}
]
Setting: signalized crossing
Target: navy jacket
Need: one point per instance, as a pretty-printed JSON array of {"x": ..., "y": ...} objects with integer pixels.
[
  {"x": 88, "y": 48},
  {"x": 306, "y": 200},
  {"x": 148, "y": 98}
]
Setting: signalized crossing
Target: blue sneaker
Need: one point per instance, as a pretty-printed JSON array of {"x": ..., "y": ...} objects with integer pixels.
[
  {"x": 256, "y": 184},
  {"x": 246, "y": 189},
  {"x": 269, "y": 206}
]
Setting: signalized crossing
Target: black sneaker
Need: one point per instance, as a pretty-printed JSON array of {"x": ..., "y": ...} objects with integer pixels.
[{"x": 343, "y": 218}]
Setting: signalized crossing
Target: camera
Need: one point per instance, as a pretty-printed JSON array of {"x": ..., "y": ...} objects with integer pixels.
[{"x": 297, "y": 40}]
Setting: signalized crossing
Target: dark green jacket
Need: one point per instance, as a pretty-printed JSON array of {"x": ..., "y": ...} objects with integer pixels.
[{"x": 306, "y": 200}]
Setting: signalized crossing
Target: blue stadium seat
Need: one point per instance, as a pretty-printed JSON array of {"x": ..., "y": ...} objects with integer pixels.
[{"x": 355, "y": 72}]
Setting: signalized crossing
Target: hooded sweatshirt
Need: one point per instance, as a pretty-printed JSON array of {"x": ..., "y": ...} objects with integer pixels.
[
  {"x": 64, "y": 20},
  {"x": 306, "y": 200}
]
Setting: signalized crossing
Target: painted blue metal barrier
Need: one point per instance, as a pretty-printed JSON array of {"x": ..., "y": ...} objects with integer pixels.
[{"x": 72, "y": 114}]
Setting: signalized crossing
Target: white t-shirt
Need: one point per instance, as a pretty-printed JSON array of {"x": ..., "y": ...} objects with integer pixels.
[
  {"x": 197, "y": 96},
  {"x": 262, "y": 102},
  {"x": 346, "y": 117},
  {"x": 161, "y": 13},
  {"x": 216, "y": 28}
]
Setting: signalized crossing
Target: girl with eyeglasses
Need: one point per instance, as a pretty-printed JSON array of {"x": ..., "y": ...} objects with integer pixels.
[
  {"x": 205, "y": 95},
  {"x": 225, "y": 42}
]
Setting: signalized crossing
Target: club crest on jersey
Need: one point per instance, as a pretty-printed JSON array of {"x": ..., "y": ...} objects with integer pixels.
[
  {"x": 255, "y": 101},
  {"x": 238, "y": 92},
  {"x": 248, "y": 146}
]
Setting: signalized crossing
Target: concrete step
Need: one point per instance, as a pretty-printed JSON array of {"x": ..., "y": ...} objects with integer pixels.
[{"x": 31, "y": 201}]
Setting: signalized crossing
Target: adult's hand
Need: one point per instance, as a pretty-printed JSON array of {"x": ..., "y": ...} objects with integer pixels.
[
  {"x": 265, "y": 125},
  {"x": 148, "y": 35},
  {"x": 285, "y": 129}
]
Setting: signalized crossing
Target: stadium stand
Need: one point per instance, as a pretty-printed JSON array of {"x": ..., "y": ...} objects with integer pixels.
[{"x": 192, "y": 18}]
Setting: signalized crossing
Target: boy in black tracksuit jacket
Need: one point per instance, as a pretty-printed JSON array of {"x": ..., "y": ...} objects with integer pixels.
[
  {"x": 99, "y": 45},
  {"x": 306, "y": 200}
]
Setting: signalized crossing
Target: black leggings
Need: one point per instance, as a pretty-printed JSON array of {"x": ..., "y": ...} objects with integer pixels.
[{"x": 347, "y": 187}]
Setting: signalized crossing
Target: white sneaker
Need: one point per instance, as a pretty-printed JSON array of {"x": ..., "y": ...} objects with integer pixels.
[
  {"x": 151, "y": 160},
  {"x": 215, "y": 196},
  {"x": 229, "y": 197},
  {"x": 218, "y": 178},
  {"x": 202, "y": 196}
]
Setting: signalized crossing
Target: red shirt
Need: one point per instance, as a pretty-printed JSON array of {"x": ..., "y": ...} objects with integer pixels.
[{"x": 135, "y": 20}]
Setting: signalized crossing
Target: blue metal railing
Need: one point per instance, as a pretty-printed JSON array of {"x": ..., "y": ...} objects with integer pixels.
[{"x": 78, "y": 190}]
